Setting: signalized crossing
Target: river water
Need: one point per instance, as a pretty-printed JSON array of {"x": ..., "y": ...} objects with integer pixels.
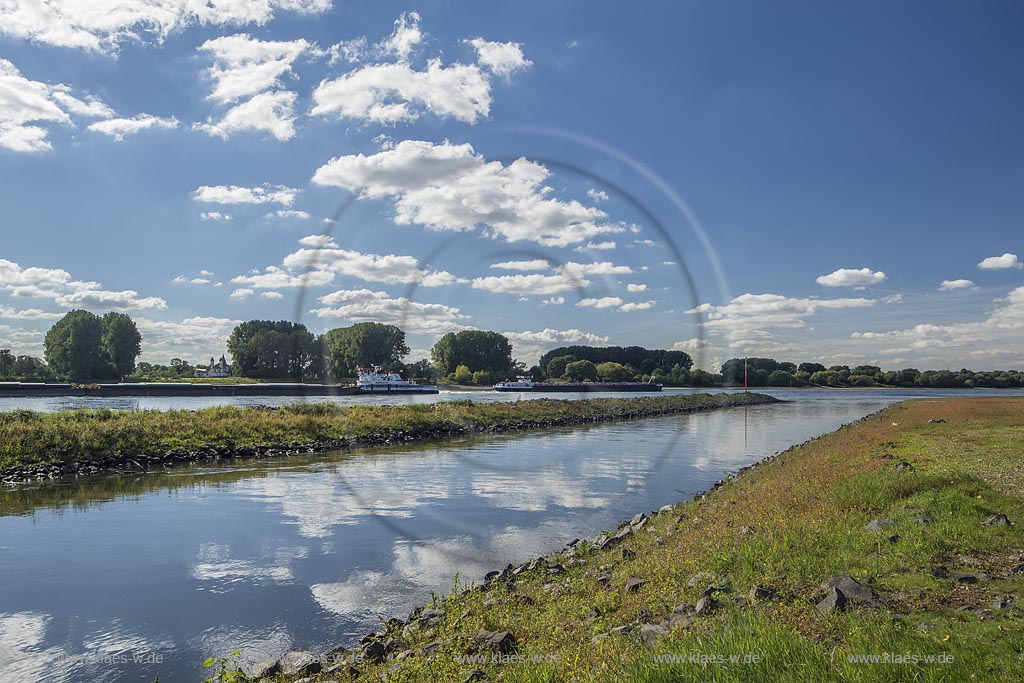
[{"x": 121, "y": 578}]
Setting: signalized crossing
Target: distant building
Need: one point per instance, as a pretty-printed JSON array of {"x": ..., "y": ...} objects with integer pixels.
[{"x": 218, "y": 369}]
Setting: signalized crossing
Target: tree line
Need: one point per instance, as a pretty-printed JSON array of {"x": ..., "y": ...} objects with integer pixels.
[{"x": 82, "y": 346}]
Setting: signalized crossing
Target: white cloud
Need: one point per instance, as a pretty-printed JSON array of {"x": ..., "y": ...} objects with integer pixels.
[
  {"x": 550, "y": 336},
  {"x": 26, "y": 105},
  {"x": 273, "y": 277},
  {"x": 272, "y": 295},
  {"x": 13, "y": 275},
  {"x": 387, "y": 268},
  {"x": 578, "y": 270},
  {"x": 636, "y": 288},
  {"x": 215, "y": 216},
  {"x": 27, "y": 314},
  {"x": 191, "y": 338},
  {"x": 97, "y": 298},
  {"x": 1007, "y": 260},
  {"x": 181, "y": 279},
  {"x": 450, "y": 187},
  {"x": 601, "y": 302},
  {"x": 691, "y": 345},
  {"x": 534, "y": 264},
  {"x": 597, "y": 195},
  {"x": 273, "y": 112},
  {"x": 317, "y": 241},
  {"x": 646, "y": 243},
  {"x": 755, "y": 314},
  {"x": 289, "y": 213},
  {"x": 241, "y": 293},
  {"x": 501, "y": 59},
  {"x": 851, "y": 277},
  {"x": 1004, "y": 326},
  {"x": 244, "y": 66},
  {"x": 527, "y": 284},
  {"x": 362, "y": 305},
  {"x": 596, "y": 246},
  {"x": 553, "y": 301},
  {"x": 406, "y": 36},
  {"x": 118, "y": 128},
  {"x": 233, "y": 194},
  {"x": 639, "y": 306},
  {"x": 78, "y": 24},
  {"x": 949, "y": 285}
]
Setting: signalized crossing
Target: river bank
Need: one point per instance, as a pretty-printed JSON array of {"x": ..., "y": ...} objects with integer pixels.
[
  {"x": 887, "y": 550},
  {"x": 40, "y": 446}
]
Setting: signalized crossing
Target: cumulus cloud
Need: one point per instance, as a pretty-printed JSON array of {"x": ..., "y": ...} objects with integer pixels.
[
  {"x": 636, "y": 288},
  {"x": 1003, "y": 326},
  {"x": 691, "y": 345},
  {"x": 386, "y": 268},
  {"x": 271, "y": 112},
  {"x": 215, "y": 216},
  {"x": 197, "y": 337},
  {"x": 390, "y": 89},
  {"x": 272, "y": 295},
  {"x": 361, "y": 305},
  {"x": 533, "y": 264},
  {"x": 26, "y": 106},
  {"x": 289, "y": 213},
  {"x": 118, "y": 128},
  {"x": 950, "y": 285},
  {"x": 242, "y": 293},
  {"x": 450, "y": 187},
  {"x": 27, "y": 314},
  {"x": 273, "y": 277},
  {"x": 638, "y": 306},
  {"x": 553, "y": 301},
  {"x": 755, "y": 314},
  {"x": 77, "y": 24},
  {"x": 597, "y": 195},
  {"x": 56, "y": 284},
  {"x": 317, "y": 241},
  {"x": 245, "y": 66},
  {"x": 596, "y": 246},
  {"x": 501, "y": 59},
  {"x": 1007, "y": 260},
  {"x": 600, "y": 302},
  {"x": 527, "y": 284},
  {"x": 233, "y": 194},
  {"x": 852, "y": 277},
  {"x": 530, "y": 346},
  {"x": 128, "y": 300}
]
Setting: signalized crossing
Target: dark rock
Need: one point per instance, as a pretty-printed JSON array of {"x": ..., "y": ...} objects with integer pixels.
[
  {"x": 594, "y": 613},
  {"x": 997, "y": 520},
  {"x": 265, "y": 669},
  {"x": 682, "y": 608},
  {"x": 706, "y": 605},
  {"x": 884, "y": 456},
  {"x": 628, "y": 554},
  {"x": 940, "y": 573},
  {"x": 604, "y": 578},
  {"x": 430, "y": 649},
  {"x": 431, "y": 617},
  {"x": 922, "y": 519},
  {"x": 895, "y": 538},
  {"x": 300, "y": 663},
  {"x": 373, "y": 652},
  {"x": 936, "y": 421},
  {"x": 903, "y": 466},
  {"x": 393, "y": 645},
  {"x": 835, "y": 601},
  {"x": 623, "y": 630},
  {"x": 647, "y": 634},
  {"x": 475, "y": 675},
  {"x": 633, "y": 584},
  {"x": 854, "y": 591},
  {"x": 624, "y": 532},
  {"x": 759, "y": 593},
  {"x": 877, "y": 524},
  {"x": 963, "y": 578},
  {"x": 699, "y": 578},
  {"x": 556, "y": 569},
  {"x": 502, "y": 642}
]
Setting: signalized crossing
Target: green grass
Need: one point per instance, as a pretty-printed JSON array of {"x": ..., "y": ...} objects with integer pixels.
[
  {"x": 28, "y": 438},
  {"x": 788, "y": 525}
]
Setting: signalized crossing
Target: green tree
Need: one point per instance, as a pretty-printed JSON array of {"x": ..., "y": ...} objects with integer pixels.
[
  {"x": 555, "y": 369},
  {"x": 780, "y": 378},
  {"x": 485, "y": 351},
  {"x": 580, "y": 370},
  {"x": 267, "y": 349},
  {"x": 361, "y": 345},
  {"x": 482, "y": 377},
  {"x": 6, "y": 364},
  {"x": 463, "y": 375},
  {"x": 73, "y": 347},
  {"x": 120, "y": 342},
  {"x": 614, "y": 372}
]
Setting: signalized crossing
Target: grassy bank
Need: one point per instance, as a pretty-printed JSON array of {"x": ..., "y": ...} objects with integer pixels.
[
  {"x": 935, "y": 581},
  {"x": 31, "y": 439}
]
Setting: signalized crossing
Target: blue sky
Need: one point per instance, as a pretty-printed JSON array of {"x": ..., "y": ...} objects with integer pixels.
[{"x": 841, "y": 184}]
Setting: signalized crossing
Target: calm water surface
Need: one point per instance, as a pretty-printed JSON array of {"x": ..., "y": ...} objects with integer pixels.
[{"x": 171, "y": 568}]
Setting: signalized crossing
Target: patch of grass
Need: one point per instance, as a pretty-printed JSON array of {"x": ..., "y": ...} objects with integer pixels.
[
  {"x": 28, "y": 438},
  {"x": 787, "y": 525}
]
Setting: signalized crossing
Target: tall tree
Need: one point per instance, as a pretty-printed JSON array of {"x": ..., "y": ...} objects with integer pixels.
[
  {"x": 266, "y": 349},
  {"x": 120, "y": 342},
  {"x": 362, "y": 345},
  {"x": 73, "y": 346},
  {"x": 478, "y": 350}
]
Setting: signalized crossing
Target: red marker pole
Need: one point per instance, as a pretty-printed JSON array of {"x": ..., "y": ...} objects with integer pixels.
[{"x": 744, "y": 375}]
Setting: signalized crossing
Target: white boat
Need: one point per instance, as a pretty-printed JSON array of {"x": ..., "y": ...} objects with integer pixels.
[
  {"x": 519, "y": 384},
  {"x": 373, "y": 381}
]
